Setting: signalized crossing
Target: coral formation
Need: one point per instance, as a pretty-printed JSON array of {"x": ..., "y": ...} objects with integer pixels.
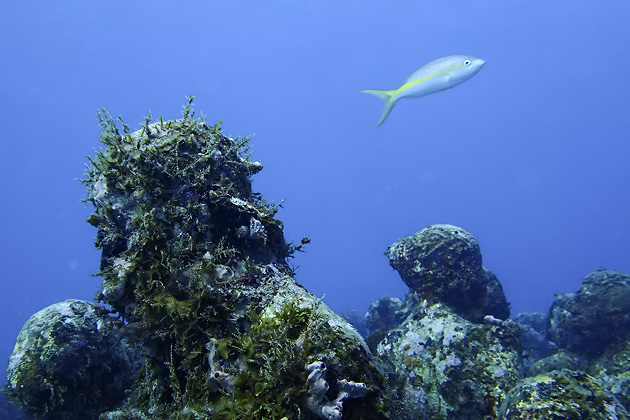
[
  {"x": 199, "y": 315},
  {"x": 194, "y": 264},
  {"x": 384, "y": 315},
  {"x": 442, "y": 263},
  {"x": 455, "y": 355}
]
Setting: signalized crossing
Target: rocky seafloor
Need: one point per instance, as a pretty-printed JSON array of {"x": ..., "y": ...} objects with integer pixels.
[{"x": 199, "y": 315}]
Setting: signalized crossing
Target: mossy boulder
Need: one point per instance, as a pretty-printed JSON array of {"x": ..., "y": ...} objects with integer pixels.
[{"x": 195, "y": 264}]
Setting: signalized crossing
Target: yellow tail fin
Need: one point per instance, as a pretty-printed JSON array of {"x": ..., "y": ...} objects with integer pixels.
[{"x": 390, "y": 99}]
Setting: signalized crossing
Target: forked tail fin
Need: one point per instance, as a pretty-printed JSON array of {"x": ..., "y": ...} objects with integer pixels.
[{"x": 390, "y": 99}]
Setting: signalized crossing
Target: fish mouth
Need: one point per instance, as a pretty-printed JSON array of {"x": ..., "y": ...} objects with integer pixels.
[{"x": 479, "y": 62}]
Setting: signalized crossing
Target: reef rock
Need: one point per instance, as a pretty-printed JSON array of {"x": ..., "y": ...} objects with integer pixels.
[
  {"x": 556, "y": 361},
  {"x": 561, "y": 394},
  {"x": 69, "y": 363},
  {"x": 195, "y": 262},
  {"x": 194, "y": 267},
  {"x": 612, "y": 369},
  {"x": 446, "y": 367},
  {"x": 594, "y": 318},
  {"x": 442, "y": 263},
  {"x": 591, "y": 333}
]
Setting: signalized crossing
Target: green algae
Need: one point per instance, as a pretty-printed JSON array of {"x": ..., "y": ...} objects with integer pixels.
[{"x": 194, "y": 262}]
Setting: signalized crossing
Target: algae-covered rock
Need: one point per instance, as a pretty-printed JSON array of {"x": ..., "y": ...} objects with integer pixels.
[
  {"x": 443, "y": 264},
  {"x": 594, "y": 318},
  {"x": 561, "y": 394},
  {"x": 591, "y": 328},
  {"x": 556, "y": 361},
  {"x": 194, "y": 262},
  {"x": 612, "y": 369},
  {"x": 448, "y": 367},
  {"x": 69, "y": 363}
]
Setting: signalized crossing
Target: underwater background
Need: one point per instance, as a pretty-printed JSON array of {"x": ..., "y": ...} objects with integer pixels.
[{"x": 530, "y": 156}]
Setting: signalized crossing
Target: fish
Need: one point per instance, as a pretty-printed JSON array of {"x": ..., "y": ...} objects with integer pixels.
[{"x": 440, "y": 74}]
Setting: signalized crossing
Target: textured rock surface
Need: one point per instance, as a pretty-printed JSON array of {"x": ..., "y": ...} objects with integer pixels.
[
  {"x": 69, "y": 363},
  {"x": 594, "y": 318},
  {"x": 442, "y": 263},
  {"x": 207, "y": 320},
  {"x": 557, "y": 361},
  {"x": 194, "y": 262},
  {"x": 592, "y": 333},
  {"x": 447, "y": 367},
  {"x": 561, "y": 394},
  {"x": 533, "y": 330},
  {"x": 612, "y": 369}
]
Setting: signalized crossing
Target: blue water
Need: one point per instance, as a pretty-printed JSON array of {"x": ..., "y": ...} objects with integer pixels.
[{"x": 530, "y": 155}]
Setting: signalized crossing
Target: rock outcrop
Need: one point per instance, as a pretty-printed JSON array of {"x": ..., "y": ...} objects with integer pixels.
[
  {"x": 442, "y": 263},
  {"x": 194, "y": 265}
]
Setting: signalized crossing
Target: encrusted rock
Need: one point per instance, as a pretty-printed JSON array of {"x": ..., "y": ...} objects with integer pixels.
[
  {"x": 69, "y": 362},
  {"x": 195, "y": 262},
  {"x": 557, "y": 361},
  {"x": 442, "y": 263},
  {"x": 561, "y": 394},
  {"x": 194, "y": 270},
  {"x": 594, "y": 318},
  {"x": 448, "y": 367},
  {"x": 612, "y": 369}
]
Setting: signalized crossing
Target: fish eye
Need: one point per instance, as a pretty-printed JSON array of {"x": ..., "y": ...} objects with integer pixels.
[{"x": 467, "y": 63}]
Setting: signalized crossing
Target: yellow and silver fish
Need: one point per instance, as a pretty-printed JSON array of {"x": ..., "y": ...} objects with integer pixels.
[{"x": 440, "y": 74}]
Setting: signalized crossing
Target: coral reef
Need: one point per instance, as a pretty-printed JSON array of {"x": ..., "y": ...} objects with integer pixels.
[
  {"x": 556, "y": 361},
  {"x": 456, "y": 355},
  {"x": 69, "y": 362},
  {"x": 199, "y": 315},
  {"x": 612, "y": 369},
  {"x": 561, "y": 394},
  {"x": 442, "y": 263},
  {"x": 194, "y": 268}
]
